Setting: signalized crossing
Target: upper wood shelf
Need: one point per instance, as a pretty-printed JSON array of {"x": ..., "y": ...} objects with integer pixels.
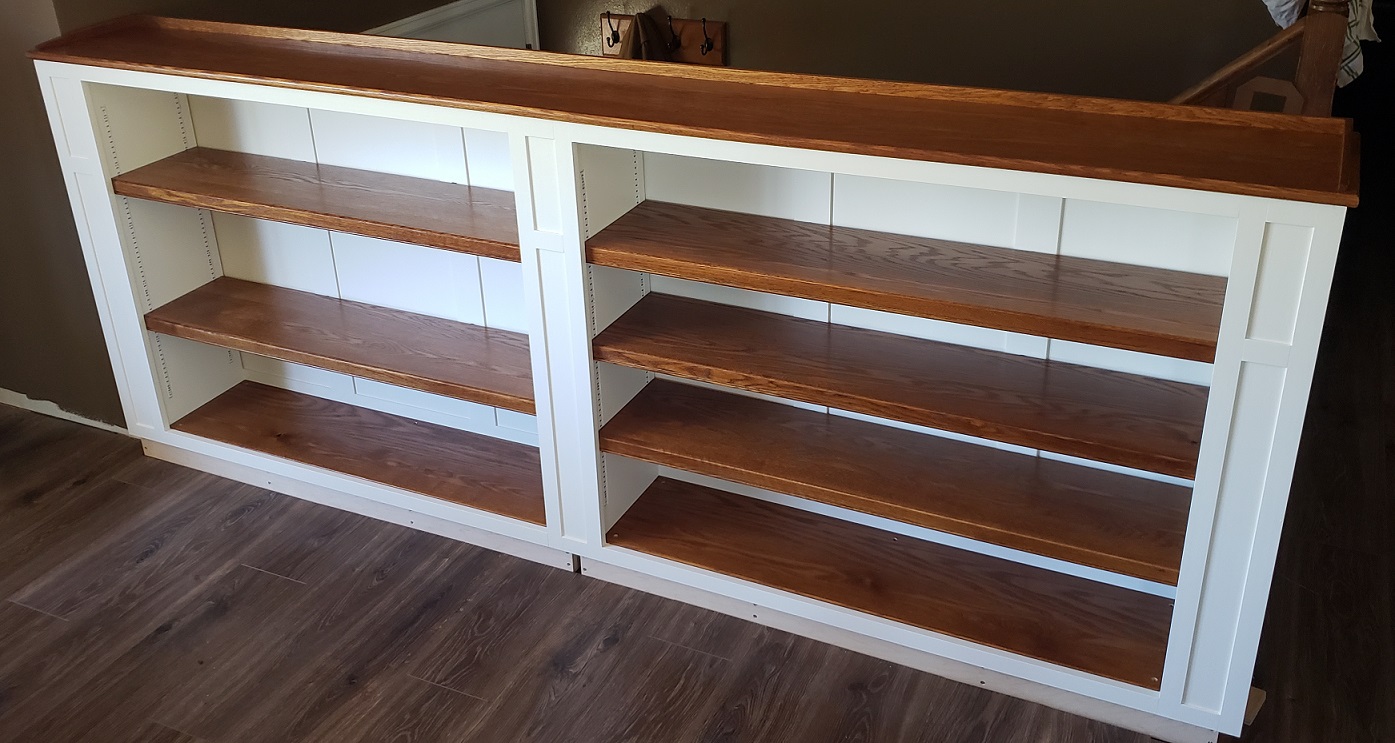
[
  {"x": 1140, "y": 309},
  {"x": 1245, "y": 152},
  {"x": 1061, "y": 619},
  {"x": 392, "y": 207},
  {"x": 464, "y": 468},
  {"x": 469, "y": 362},
  {"x": 1088, "y": 516},
  {"x": 1106, "y": 416}
]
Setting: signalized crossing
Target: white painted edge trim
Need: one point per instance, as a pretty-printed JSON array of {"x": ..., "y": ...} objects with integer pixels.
[
  {"x": 1113, "y": 714},
  {"x": 50, "y": 409}
]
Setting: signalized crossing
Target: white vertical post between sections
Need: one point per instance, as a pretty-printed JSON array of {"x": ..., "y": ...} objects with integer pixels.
[{"x": 550, "y": 236}]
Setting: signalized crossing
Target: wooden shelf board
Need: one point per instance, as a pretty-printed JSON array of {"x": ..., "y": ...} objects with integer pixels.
[
  {"x": 1087, "y": 516},
  {"x": 465, "y": 468},
  {"x": 445, "y": 357},
  {"x": 1065, "y": 620},
  {"x": 1106, "y": 416},
  {"x": 1245, "y": 152},
  {"x": 449, "y": 216},
  {"x": 1136, "y": 308}
]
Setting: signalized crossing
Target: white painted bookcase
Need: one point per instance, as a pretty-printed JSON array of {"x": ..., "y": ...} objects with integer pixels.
[{"x": 570, "y": 181}]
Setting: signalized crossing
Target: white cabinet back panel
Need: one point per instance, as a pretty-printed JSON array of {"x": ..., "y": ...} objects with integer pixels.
[
  {"x": 409, "y": 277},
  {"x": 256, "y": 128},
  {"x": 739, "y": 187},
  {"x": 1181, "y": 241},
  {"x": 285, "y": 255},
  {"x": 925, "y": 210}
]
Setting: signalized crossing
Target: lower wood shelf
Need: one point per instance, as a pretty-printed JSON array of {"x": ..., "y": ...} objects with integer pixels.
[
  {"x": 465, "y": 468},
  {"x": 445, "y": 357},
  {"x": 1100, "y": 629},
  {"x": 1107, "y": 416},
  {"x": 1088, "y": 516}
]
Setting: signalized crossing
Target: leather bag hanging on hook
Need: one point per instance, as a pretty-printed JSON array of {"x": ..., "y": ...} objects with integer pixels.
[{"x": 646, "y": 38}]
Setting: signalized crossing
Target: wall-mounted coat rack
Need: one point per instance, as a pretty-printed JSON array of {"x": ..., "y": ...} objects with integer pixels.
[{"x": 688, "y": 40}]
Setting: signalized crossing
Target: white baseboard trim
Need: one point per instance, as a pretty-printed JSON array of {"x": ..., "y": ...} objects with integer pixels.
[
  {"x": 1161, "y": 728},
  {"x": 44, "y": 407}
]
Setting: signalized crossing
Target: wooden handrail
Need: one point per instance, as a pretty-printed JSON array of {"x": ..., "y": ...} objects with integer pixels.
[
  {"x": 1321, "y": 55},
  {"x": 1319, "y": 36},
  {"x": 1242, "y": 67}
]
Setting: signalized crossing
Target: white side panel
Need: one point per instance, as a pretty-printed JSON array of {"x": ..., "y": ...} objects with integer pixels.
[
  {"x": 408, "y": 148},
  {"x": 773, "y": 192},
  {"x": 625, "y": 480},
  {"x": 1197, "y": 243},
  {"x": 440, "y": 283},
  {"x": 285, "y": 255},
  {"x": 612, "y": 182},
  {"x": 926, "y": 210},
  {"x": 609, "y": 293},
  {"x": 255, "y": 128}
]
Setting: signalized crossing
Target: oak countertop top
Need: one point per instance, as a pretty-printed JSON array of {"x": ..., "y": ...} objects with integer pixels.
[{"x": 1258, "y": 154}]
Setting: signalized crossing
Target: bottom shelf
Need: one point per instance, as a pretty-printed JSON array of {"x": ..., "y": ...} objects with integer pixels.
[
  {"x": 465, "y": 468},
  {"x": 1061, "y": 619}
]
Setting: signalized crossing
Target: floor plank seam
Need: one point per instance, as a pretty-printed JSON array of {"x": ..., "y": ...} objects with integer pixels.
[
  {"x": 415, "y": 677},
  {"x": 693, "y": 649},
  {"x": 268, "y": 572},
  {"x": 21, "y": 604}
]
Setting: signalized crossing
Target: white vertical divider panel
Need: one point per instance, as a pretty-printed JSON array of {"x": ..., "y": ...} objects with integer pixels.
[
  {"x": 1275, "y": 303},
  {"x": 167, "y": 250},
  {"x": 548, "y": 198}
]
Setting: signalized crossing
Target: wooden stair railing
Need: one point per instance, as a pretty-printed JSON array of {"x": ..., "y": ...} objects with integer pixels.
[{"x": 1318, "y": 36}]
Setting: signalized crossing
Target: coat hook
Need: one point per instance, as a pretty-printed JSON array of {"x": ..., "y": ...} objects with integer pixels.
[
  {"x": 614, "y": 37},
  {"x": 676, "y": 40},
  {"x": 707, "y": 42}
]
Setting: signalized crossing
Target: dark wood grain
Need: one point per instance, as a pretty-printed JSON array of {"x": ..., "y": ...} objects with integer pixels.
[
  {"x": 1238, "y": 152},
  {"x": 1111, "y": 304},
  {"x": 467, "y": 219},
  {"x": 1061, "y": 619},
  {"x": 469, "y": 362},
  {"x": 473, "y": 470},
  {"x": 1105, "y": 520},
  {"x": 1106, "y": 416}
]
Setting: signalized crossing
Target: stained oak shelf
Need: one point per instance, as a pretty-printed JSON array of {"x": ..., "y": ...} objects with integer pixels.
[
  {"x": 1096, "y": 414},
  {"x": 449, "y": 216},
  {"x": 1259, "y": 154},
  {"x": 464, "y": 468},
  {"x": 1136, "y": 308},
  {"x": 469, "y": 362},
  {"x": 1115, "y": 522},
  {"x": 1066, "y": 620}
]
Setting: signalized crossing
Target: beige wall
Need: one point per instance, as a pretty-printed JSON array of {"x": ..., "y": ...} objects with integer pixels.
[{"x": 1143, "y": 49}]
